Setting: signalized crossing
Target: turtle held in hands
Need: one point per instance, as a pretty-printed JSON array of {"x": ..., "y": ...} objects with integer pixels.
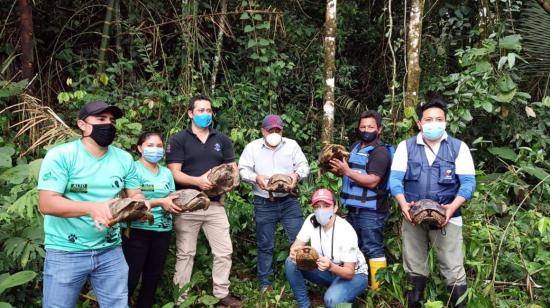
[
  {"x": 428, "y": 211},
  {"x": 222, "y": 178},
  {"x": 281, "y": 183},
  {"x": 331, "y": 151},
  {"x": 127, "y": 209},
  {"x": 189, "y": 200},
  {"x": 306, "y": 258}
]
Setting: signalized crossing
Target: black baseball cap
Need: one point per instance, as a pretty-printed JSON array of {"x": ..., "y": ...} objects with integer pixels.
[{"x": 97, "y": 107}]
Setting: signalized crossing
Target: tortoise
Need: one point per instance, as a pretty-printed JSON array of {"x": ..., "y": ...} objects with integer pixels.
[
  {"x": 189, "y": 200},
  {"x": 306, "y": 258},
  {"x": 429, "y": 212},
  {"x": 281, "y": 183},
  {"x": 222, "y": 178},
  {"x": 127, "y": 210},
  {"x": 331, "y": 151}
]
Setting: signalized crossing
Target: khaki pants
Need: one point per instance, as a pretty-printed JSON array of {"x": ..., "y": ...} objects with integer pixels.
[
  {"x": 215, "y": 226},
  {"x": 447, "y": 246}
]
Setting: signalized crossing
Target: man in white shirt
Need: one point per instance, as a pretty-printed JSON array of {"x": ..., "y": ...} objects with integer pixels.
[
  {"x": 341, "y": 266},
  {"x": 436, "y": 166},
  {"x": 262, "y": 158}
]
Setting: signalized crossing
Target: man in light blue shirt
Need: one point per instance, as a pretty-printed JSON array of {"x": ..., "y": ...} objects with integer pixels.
[
  {"x": 78, "y": 183},
  {"x": 262, "y": 158}
]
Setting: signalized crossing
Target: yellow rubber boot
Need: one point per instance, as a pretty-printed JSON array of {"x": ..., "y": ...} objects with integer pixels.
[{"x": 374, "y": 265}]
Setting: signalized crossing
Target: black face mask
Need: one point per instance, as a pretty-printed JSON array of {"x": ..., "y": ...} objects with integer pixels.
[
  {"x": 103, "y": 134},
  {"x": 367, "y": 136}
]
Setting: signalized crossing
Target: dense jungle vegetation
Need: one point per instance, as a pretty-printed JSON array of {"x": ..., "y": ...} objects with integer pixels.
[{"x": 489, "y": 58}]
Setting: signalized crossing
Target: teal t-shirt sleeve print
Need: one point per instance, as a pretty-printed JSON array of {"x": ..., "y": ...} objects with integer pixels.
[{"x": 53, "y": 174}]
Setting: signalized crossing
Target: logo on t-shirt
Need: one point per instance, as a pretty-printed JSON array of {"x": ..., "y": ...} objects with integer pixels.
[
  {"x": 72, "y": 238},
  {"x": 147, "y": 187},
  {"x": 49, "y": 176},
  {"x": 79, "y": 188},
  {"x": 217, "y": 147},
  {"x": 117, "y": 182}
]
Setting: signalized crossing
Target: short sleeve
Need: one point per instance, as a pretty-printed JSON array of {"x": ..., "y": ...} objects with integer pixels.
[
  {"x": 400, "y": 157},
  {"x": 305, "y": 232},
  {"x": 464, "y": 162},
  {"x": 54, "y": 174},
  {"x": 379, "y": 162},
  {"x": 175, "y": 152},
  {"x": 227, "y": 149},
  {"x": 132, "y": 179}
]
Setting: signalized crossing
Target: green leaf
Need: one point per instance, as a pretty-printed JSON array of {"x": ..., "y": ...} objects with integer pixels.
[
  {"x": 537, "y": 172},
  {"x": 248, "y": 29},
  {"x": 466, "y": 115},
  {"x": 79, "y": 94},
  {"x": 483, "y": 67},
  {"x": 257, "y": 17},
  {"x": 511, "y": 59},
  {"x": 504, "y": 97},
  {"x": 34, "y": 169},
  {"x": 505, "y": 153},
  {"x": 251, "y": 43},
  {"x": 208, "y": 300},
  {"x": 63, "y": 97},
  {"x": 543, "y": 225},
  {"x": 16, "y": 279},
  {"x": 104, "y": 79},
  {"x": 410, "y": 112},
  {"x": 244, "y": 16},
  {"x": 487, "y": 106},
  {"x": 5, "y": 305},
  {"x": 5, "y": 156},
  {"x": 17, "y": 174},
  {"x": 510, "y": 42},
  {"x": 546, "y": 101},
  {"x": 263, "y": 42},
  {"x": 506, "y": 84}
]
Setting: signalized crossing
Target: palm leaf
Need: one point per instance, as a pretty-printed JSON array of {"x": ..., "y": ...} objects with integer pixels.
[
  {"x": 534, "y": 27},
  {"x": 39, "y": 123}
]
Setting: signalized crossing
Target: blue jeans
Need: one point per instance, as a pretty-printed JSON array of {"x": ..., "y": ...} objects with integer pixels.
[
  {"x": 268, "y": 213},
  {"x": 66, "y": 272},
  {"x": 369, "y": 226},
  {"x": 339, "y": 290}
]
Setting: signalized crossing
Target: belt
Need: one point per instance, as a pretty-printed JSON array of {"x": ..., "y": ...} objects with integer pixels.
[
  {"x": 357, "y": 210},
  {"x": 275, "y": 199}
]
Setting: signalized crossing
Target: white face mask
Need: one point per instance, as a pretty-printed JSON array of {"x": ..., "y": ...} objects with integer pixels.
[{"x": 273, "y": 139}]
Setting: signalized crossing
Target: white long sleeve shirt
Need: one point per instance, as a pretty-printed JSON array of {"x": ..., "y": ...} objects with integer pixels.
[{"x": 260, "y": 159}]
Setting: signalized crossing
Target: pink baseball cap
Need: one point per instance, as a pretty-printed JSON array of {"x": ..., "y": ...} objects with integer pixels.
[{"x": 322, "y": 194}]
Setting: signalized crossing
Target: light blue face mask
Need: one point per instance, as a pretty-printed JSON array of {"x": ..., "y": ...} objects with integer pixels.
[
  {"x": 153, "y": 154},
  {"x": 433, "y": 130},
  {"x": 323, "y": 215},
  {"x": 202, "y": 120}
]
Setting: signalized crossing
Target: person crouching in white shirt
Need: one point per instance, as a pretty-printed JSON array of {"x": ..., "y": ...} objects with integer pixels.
[{"x": 341, "y": 266}]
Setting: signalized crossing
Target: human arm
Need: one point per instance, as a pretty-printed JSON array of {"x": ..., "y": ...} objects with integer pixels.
[
  {"x": 184, "y": 179},
  {"x": 297, "y": 244},
  {"x": 346, "y": 271},
  {"x": 301, "y": 166}
]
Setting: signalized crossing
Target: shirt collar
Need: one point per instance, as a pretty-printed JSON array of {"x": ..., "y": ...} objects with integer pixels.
[
  {"x": 211, "y": 131},
  {"x": 420, "y": 140}
]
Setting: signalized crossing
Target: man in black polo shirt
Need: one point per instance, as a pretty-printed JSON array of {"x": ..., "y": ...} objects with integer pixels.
[{"x": 190, "y": 155}]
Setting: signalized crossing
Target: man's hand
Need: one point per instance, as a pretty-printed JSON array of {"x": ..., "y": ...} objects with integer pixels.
[
  {"x": 339, "y": 167},
  {"x": 101, "y": 213},
  {"x": 449, "y": 211},
  {"x": 405, "y": 207},
  {"x": 168, "y": 204},
  {"x": 295, "y": 178},
  {"x": 202, "y": 181},
  {"x": 323, "y": 263},
  {"x": 261, "y": 180}
]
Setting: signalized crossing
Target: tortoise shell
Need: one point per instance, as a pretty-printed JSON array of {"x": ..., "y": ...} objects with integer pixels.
[
  {"x": 428, "y": 212},
  {"x": 127, "y": 210},
  {"x": 189, "y": 200},
  {"x": 331, "y": 151},
  {"x": 222, "y": 178},
  {"x": 306, "y": 258}
]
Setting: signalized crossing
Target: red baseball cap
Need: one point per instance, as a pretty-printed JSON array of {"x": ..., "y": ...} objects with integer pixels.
[{"x": 322, "y": 194}]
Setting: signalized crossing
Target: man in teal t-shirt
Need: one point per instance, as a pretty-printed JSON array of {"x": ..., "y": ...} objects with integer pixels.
[{"x": 78, "y": 182}]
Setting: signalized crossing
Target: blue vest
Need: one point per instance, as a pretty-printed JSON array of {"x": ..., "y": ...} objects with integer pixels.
[
  {"x": 358, "y": 196},
  {"x": 437, "y": 182}
]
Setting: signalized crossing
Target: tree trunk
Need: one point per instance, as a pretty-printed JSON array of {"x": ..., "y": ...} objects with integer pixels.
[
  {"x": 26, "y": 40},
  {"x": 545, "y": 6},
  {"x": 219, "y": 42},
  {"x": 414, "y": 39},
  {"x": 105, "y": 37},
  {"x": 330, "y": 70}
]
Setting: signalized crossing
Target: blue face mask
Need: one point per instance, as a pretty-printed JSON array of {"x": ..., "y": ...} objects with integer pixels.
[
  {"x": 433, "y": 130},
  {"x": 153, "y": 154},
  {"x": 202, "y": 120},
  {"x": 323, "y": 215}
]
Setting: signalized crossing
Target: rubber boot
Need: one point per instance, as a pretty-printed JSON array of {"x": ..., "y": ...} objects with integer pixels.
[
  {"x": 455, "y": 293},
  {"x": 415, "y": 297},
  {"x": 374, "y": 265}
]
